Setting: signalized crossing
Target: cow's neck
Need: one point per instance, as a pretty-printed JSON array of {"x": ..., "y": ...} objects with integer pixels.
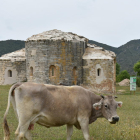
[
  {"x": 98, "y": 113},
  {"x": 95, "y": 113},
  {"x": 94, "y": 98}
]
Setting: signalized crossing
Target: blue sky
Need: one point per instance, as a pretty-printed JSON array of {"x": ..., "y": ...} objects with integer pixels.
[{"x": 113, "y": 22}]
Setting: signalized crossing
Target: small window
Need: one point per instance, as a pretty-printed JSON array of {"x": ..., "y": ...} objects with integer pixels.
[
  {"x": 52, "y": 70},
  {"x": 9, "y": 73},
  {"x": 31, "y": 71},
  {"x": 74, "y": 71},
  {"x": 75, "y": 76},
  {"x": 98, "y": 72}
]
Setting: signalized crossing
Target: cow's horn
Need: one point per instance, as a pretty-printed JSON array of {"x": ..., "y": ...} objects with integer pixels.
[{"x": 102, "y": 96}]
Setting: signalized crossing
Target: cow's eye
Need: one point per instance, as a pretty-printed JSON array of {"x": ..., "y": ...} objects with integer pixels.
[{"x": 106, "y": 106}]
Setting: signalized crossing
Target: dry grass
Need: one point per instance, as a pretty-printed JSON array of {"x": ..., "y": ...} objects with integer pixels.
[{"x": 128, "y": 127}]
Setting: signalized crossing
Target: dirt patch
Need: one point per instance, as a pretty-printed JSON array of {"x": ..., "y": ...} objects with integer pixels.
[{"x": 125, "y": 82}]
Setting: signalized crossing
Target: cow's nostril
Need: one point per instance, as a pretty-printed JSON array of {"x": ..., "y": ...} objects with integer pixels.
[{"x": 115, "y": 119}]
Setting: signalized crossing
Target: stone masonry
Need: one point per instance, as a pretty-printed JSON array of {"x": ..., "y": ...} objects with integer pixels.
[
  {"x": 55, "y": 48},
  {"x": 14, "y": 62},
  {"x": 56, "y": 57},
  {"x": 99, "y": 68}
]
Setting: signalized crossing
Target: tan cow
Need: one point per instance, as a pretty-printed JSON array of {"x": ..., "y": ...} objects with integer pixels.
[{"x": 50, "y": 105}]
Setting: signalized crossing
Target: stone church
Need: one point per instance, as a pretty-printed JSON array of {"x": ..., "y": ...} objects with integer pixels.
[{"x": 56, "y": 57}]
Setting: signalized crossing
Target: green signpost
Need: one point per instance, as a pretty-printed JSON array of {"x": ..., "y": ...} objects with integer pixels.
[{"x": 132, "y": 84}]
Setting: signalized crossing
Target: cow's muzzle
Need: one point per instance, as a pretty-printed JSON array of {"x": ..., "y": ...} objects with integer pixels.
[{"x": 114, "y": 119}]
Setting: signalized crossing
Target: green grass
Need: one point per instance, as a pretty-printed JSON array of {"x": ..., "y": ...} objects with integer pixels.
[{"x": 128, "y": 127}]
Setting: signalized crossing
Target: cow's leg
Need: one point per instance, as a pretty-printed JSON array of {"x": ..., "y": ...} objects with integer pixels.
[
  {"x": 69, "y": 131},
  {"x": 84, "y": 126},
  {"x": 23, "y": 127},
  {"x": 28, "y": 135},
  {"x": 17, "y": 132}
]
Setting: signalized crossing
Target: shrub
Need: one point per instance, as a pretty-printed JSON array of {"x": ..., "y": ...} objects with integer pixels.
[
  {"x": 118, "y": 78},
  {"x": 123, "y": 75},
  {"x": 138, "y": 81},
  {"x": 117, "y": 68},
  {"x": 137, "y": 68}
]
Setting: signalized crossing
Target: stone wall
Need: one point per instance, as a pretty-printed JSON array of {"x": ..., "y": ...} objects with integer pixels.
[
  {"x": 12, "y": 72},
  {"x": 64, "y": 57},
  {"x": 100, "y": 74}
]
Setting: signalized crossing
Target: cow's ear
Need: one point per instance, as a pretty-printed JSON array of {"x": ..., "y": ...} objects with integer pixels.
[
  {"x": 97, "y": 106},
  {"x": 119, "y": 104}
]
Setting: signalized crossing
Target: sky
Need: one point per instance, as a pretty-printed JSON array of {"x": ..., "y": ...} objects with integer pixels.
[{"x": 112, "y": 22}]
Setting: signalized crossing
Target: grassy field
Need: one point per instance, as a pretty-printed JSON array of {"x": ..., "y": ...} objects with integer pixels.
[{"x": 128, "y": 128}]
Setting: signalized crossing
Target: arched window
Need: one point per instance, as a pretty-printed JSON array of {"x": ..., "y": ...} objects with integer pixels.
[
  {"x": 9, "y": 73},
  {"x": 74, "y": 71},
  {"x": 31, "y": 71},
  {"x": 98, "y": 72},
  {"x": 75, "y": 75},
  {"x": 52, "y": 70}
]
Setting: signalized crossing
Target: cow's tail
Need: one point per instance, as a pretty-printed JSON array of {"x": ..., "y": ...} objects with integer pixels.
[{"x": 5, "y": 124}]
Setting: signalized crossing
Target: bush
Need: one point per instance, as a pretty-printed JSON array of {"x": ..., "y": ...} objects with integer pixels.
[
  {"x": 118, "y": 78},
  {"x": 138, "y": 81},
  {"x": 123, "y": 75},
  {"x": 117, "y": 68},
  {"x": 137, "y": 68}
]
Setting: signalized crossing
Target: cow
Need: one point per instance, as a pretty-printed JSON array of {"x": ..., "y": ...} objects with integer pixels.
[{"x": 50, "y": 105}]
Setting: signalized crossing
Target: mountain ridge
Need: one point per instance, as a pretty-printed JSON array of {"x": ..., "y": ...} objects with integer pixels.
[
  {"x": 127, "y": 54},
  {"x": 7, "y": 46}
]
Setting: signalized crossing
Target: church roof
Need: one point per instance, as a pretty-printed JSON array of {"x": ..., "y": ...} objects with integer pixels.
[
  {"x": 95, "y": 52},
  {"x": 18, "y": 55},
  {"x": 56, "y": 35}
]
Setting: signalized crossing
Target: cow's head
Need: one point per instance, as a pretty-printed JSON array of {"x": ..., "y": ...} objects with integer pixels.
[{"x": 108, "y": 107}]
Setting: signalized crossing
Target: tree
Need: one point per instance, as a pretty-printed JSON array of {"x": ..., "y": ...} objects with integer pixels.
[
  {"x": 117, "y": 68},
  {"x": 137, "y": 68},
  {"x": 123, "y": 75}
]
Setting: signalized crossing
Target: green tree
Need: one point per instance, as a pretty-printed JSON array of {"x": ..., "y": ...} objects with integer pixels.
[
  {"x": 138, "y": 81},
  {"x": 123, "y": 75},
  {"x": 137, "y": 68},
  {"x": 117, "y": 68}
]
